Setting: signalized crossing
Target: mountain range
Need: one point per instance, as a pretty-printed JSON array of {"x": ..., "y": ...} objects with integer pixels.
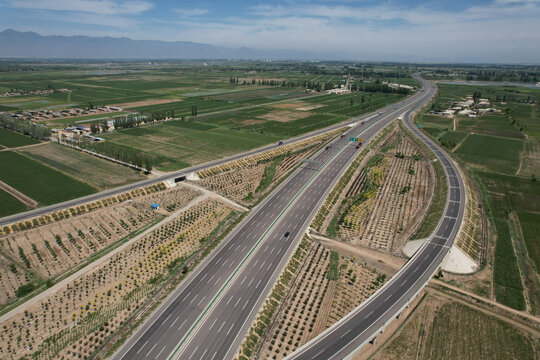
[{"x": 16, "y": 44}]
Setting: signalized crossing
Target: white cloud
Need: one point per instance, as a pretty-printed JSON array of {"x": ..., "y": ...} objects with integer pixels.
[
  {"x": 480, "y": 33},
  {"x": 103, "y": 7},
  {"x": 191, "y": 12}
]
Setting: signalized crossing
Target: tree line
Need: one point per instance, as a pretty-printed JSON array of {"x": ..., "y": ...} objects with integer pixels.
[
  {"x": 319, "y": 86},
  {"x": 131, "y": 120},
  {"x": 120, "y": 153},
  {"x": 37, "y": 131}
]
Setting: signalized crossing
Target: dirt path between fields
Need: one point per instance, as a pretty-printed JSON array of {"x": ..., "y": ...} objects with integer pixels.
[
  {"x": 523, "y": 314},
  {"x": 18, "y": 195},
  {"x": 522, "y": 154},
  {"x": 532, "y": 330},
  {"x": 145, "y": 103},
  {"x": 23, "y": 147},
  {"x": 385, "y": 262}
]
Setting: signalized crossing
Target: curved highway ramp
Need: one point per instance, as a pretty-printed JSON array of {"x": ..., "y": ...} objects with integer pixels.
[
  {"x": 363, "y": 324},
  {"x": 207, "y": 316}
]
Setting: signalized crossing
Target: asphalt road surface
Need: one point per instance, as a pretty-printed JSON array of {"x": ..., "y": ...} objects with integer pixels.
[
  {"x": 359, "y": 327},
  {"x": 207, "y": 316}
]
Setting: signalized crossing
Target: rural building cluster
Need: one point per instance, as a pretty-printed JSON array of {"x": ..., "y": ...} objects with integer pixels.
[
  {"x": 468, "y": 107},
  {"x": 32, "y": 92},
  {"x": 45, "y": 114},
  {"x": 74, "y": 133}
]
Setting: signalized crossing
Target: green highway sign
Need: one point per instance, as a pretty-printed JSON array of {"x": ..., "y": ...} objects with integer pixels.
[{"x": 353, "y": 139}]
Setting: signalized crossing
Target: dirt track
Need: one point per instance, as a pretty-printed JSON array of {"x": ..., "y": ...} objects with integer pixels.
[{"x": 18, "y": 195}]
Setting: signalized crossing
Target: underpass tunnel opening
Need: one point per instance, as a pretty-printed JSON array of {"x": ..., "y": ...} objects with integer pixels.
[{"x": 180, "y": 178}]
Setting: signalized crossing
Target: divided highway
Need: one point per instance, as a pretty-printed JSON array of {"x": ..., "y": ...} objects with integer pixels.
[
  {"x": 207, "y": 316},
  {"x": 362, "y": 325}
]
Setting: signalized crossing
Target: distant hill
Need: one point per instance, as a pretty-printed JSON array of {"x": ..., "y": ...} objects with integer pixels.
[{"x": 32, "y": 45}]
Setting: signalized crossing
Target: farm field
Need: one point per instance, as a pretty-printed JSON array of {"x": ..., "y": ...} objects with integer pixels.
[
  {"x": 11, "y": 139},
  {"x": 530, "y": 160},
  {"x": 491, "y": 153},
  {"x": 496, "y": 125},
  {"x": 81, "y": 315},
  {"x": 224, "y": 134},
  {"x": 451, "y": 139},
  {"x": 241, "y": 99},
  {"x": 39, "y": 182},
  {"x": 10, "y": 205},
  {"x": 189, "y": 81},
  {"x": 507, "y": 193},
  {"x": 530, "y": 225},
  {"x": 177, "y": 144},
  {"x": 49, "y": 251},
  {"x": 435, "y": 125},
  {"x": 98, "y": 173},
  {"x": 445, "y": 329}
]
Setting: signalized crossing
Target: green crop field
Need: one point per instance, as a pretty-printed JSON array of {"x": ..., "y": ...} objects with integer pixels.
[
  {"x": 41, "y": 183},
  {"x": 526, "y": 116},
  {"x": 184, "y": 107},
  {"x": 491, "y": 153},
  {"x": 99, "y": 173},
  {"x": 506, "y": 277},
  {"x": 507, "y": 193},
  {"x": 10, "y": 205},
  {"x": 11, "y": 139},
  {"x": 178, "y": 144},
  {"x": 459, "y": 332},
  {"x": 437, "y": 121},
  {"x": 297, "y": 127},
  {"x": 496, "y": 125},
  {"x": 451, "y": 139},
  {"x": 530, "y": 225},
  {"x": 511, "y": 193},
  {"x": 352, "y": 104}
]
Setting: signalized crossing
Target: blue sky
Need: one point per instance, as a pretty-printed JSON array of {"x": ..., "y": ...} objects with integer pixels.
[{"x": 481, "y": 31}]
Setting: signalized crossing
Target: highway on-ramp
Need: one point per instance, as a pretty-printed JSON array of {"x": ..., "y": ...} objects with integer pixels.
[
  {"x": 207, "y": 316},
  {"x": 361, "y": 325}
]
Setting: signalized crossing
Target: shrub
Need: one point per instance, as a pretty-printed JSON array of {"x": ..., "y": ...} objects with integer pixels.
[{"x": 25, "y": 289}]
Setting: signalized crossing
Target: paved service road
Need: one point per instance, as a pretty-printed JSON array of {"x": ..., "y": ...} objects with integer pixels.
[
  {"x": 359, "y": 327},
  {"x": 207, "y": 316}
]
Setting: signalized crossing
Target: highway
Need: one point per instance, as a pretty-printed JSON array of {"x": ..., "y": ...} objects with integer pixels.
[
  {"x": 207, "y": 316},
  {"x": 361, "y": 325}
]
